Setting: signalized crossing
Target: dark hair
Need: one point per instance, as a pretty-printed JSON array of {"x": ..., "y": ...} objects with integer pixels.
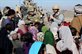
[
  {"x": 37, "y": 23},
  {"x": 10, "y": 12},
  {"x": 7, "y": 7},
  {"x": 27, "y": 37}
]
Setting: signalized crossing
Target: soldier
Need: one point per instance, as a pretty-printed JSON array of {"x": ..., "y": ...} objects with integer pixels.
[
  {"x": 56, "y": 21},
  {"x": 57, "y": 16}
]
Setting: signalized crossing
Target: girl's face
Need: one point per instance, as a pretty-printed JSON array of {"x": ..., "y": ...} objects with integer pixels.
[{"x": 14, "y": 36}]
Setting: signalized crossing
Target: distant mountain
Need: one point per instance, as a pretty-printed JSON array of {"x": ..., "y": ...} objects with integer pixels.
[{"x": 68, "y": 15}]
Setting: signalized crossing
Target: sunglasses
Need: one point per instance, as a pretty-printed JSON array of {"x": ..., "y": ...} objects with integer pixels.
[{"x": 55, "y": 9}]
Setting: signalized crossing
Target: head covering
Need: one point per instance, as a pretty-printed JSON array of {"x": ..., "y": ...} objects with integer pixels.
[
  {"x": 44, "y": 29},
  {"x": 35, "y": 47},
  {"x": 78, "y": 9},
  {"x": 34, "y": 31},
  {"x": 55, "y": 7},
  {"x": 67, "y": 41},
  {"x": 50, "y": 49},
  {"x": 11, "y": 33},
  {"x": 21, "y": 22},
  {"x": 40, "y": 36}
]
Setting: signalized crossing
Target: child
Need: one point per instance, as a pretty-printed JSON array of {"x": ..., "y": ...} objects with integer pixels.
[
  {"x": 17, "y": 45},
  {"x": 38, "y": 46},
  {"x": 28, "y": 41},
  {"x": 34, "y": 30}
]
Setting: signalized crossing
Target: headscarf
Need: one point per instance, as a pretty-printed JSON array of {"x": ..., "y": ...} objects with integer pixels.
[
  {"x": 12, "y": 32},
  {"x": 35, "y": 47},
  {"x": 40, "y": 36},
  {"x": 67, "y": 41},
  {"x": 34, "y": 31},
  {"x": 44, "y": 29},
  {"x": 10, "y": 35}
]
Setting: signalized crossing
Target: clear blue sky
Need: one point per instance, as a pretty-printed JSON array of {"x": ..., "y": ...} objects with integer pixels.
[
  {"x": 47, "y": 4},
  {"x": 11, "y": 3},
  {"x": 64, "y": 4}
]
